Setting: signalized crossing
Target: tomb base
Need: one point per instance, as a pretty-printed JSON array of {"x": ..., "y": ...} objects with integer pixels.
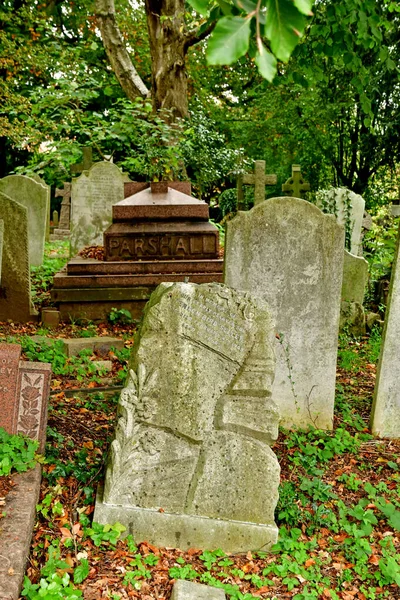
[{"x": 186, "y": 531}]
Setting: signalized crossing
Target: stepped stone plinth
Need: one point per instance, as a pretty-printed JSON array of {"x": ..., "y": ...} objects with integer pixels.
[{"x": 153, "y": 238}]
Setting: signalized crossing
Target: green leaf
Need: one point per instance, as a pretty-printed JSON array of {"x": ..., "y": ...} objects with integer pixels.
[
  {"x": 284, "y": 26},
  {"x": 266, "y": 63},
  {"x": 200, "y": 6},
  {"x": 81, "y": 571},
  {"x": 229, "y": 41},
  {"x": 303, "y": 6}
]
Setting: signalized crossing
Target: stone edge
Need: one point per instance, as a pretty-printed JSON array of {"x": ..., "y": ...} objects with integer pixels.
[
  {"x": 16, "y": 531},
  {"x": 185, "y": 531}
]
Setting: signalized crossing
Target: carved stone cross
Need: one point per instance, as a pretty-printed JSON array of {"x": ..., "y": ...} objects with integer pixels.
[
  {"x": 259, "y": 179},
  {"x": 86, "y": 161},
  {"x": 295, "y": 185},
  {"x": 65, "y": 205}
]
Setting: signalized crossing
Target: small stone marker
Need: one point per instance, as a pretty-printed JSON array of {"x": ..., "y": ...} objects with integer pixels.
[
  {"x": 65, "y": 210},
  {"x": 87, "y": 161},
  {"x": 195, "y": 422},
  {"x": 34, "y": 196},
  {"x": 295, "y": 185},
  {"x": 93, "y": 195},
  {"x": 188, "y": 590},
  {"x": 349, "y": 210},
  {"x": 259, "y": 179},
  {"x": 355, "y": 277},
  {"x": 24, "y": 392},
  {"x": 385, "y": 416},
  {"x": 15, "y": 286},
  {"x": 55, "y": 218},
  {"x": 290, "y": 254}
]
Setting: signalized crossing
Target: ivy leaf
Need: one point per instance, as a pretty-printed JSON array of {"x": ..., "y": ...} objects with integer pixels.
[
  {"x": 200, "y": 6},
  {"x": 266, "y": 63},
  {"x": 81, "y": 571},
  {"x": 229, "y": 40},
  {"x": 284, "y": 26}
]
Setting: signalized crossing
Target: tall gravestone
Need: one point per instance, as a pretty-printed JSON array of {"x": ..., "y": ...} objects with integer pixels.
[
  {"x": 15, "y": 298},
  {"x": 190, "y": 465},
  {"x": 348, "y": 208},
  {"x": 289, "y": 253},
  {"x": 34, "y": 196},
  {"x": 39, "y": 179},
  {"x": 385, "y": 417},
  {"x": 93, "y": 195}
]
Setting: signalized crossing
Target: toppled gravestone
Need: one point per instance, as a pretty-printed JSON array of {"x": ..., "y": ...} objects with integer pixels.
[{"x": 190, "y": 465}]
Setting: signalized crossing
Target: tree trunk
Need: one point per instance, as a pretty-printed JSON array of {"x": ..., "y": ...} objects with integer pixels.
[{"x": 165, "y": 21}]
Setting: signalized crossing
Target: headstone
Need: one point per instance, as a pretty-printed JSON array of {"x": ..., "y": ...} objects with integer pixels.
[
  {"x": 348, "y": 208},
  {"x": 93, "y": 195},
  {"x": 259, "y": 179},
  {"x": 1, "y": 244},
  {"x": 189, "y": 590},
  {"x": 38, "y": 179},
  {"x": 34, "y": 196},
  {"x": 355, "y": 278},
  {"x": 15, "y": 288},
  {"x": 87, "y": 161},
  {"x": 385, "y": 417},
  {"x": 65, "y": 210},
  {"x": 55, "y": 218},
  {"x": 24, "y": 393},
  {"x": 289, "y": 253},
  {"x": 190, "y": 465},
  {"x": 295, "y": 185}
]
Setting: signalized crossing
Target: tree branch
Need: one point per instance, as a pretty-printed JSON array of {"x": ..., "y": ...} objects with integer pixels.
[
  {"x": 117, "y": 53},
  {"x": 194, "y": 37}
]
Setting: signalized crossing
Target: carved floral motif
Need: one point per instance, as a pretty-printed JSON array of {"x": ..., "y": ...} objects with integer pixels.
[{"x": 29, "y": 414}]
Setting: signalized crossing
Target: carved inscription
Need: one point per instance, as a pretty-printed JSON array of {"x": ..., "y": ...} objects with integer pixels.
[
  {"x": 162, "y": 246},
  {"x": 9, "y": 360},
  {"x": 206, "y": 321}
]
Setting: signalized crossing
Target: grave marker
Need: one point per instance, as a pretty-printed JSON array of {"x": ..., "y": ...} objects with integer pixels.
[
  {"x": 24, "y": 393},
  {"x": 87, "y": 161},
  {"x": 259, "y": 179},
  {"x": 385, "y": 416},
  {"x": 290, "y": 254},
  {"x": 196, "y": 421},
  {"x": 295, "y": 185},
  {"x": 38, "y": 179},
  {"x": 65, "y": 194},
  {"x": 34, "y": 196},
  {"x": 1, "y": 244}
]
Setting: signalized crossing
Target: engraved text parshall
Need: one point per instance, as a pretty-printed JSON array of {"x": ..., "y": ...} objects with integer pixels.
[{"x": 184, "y": 246}]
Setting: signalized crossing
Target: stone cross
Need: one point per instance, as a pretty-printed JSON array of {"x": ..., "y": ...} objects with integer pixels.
[
  {"x": 86, "y": 161},
  {"x": 65, "y": 194},
  {"x": 259, "y": 179},
  {"x": 295, "y": 184},
  {"x": 24, "y": 393}
]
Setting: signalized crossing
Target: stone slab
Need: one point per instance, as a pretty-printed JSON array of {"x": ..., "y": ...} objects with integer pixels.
[
  {"x": 161, "y": 241},
  {"x": 355, "y": 277},
  {"x": 186, "y": 531},
  {"x": 16, "y": 531},
  {"x": 1, "y": 244},
  {"x": 348, "y": 208},
  {"x": 101, "y": 345},
  {"x": 91, "y": 266},
  {"x": 385, "y": 416},
  {"x": 9, "y": 367},
  {"x": 290, "y": 254},
  {"x": 98, "y": 311},
  {"x": 34, "y": 196},
  {"x": 188, "y": 590},
  {"x": 147, "y": 206},
  {"x": 64, "y": 281},
  {"x": 133, "y": 187}
]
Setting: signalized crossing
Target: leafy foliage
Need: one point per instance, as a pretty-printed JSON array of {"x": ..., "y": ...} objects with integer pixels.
[{"x": 17, "y": 453}]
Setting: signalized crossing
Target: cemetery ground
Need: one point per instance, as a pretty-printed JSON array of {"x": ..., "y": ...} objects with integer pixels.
[{"x": 339, "y": 507}]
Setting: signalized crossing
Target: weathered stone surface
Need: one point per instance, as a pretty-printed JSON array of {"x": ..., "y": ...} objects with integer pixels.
[
  {"x": 352, "y": 318},
  {"x": 259, "y": 179},
  {"x": 295, "y": 186},
  {"x": 16, "y": 531},
  {"x": 203, "y": 356},
  {"x": 93, "y": 195},
  {"x": 1, "y": 244},
  {"x": 188, "y": 590},
  {"x": 289, "y": 253},
  {"x": 133, "y": 187},
  {"x": 385, "y": 417},
  {"x": 349, "y": 210},
  {"x": 101, "y": 345},
  {"x": 146, "y": 206},
  {"x": 34, "y": 196},
  {"x": 9, "y": 364},
  {"x": 39, "y": 179},
  {"x": 15, "y": 292},
  {"x": 355, "y": 277}
]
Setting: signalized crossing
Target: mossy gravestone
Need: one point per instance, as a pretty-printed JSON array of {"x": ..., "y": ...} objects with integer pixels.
[
  {"x": 190, "y": 465},
  {"x": 35, "y": 197},
  {"x": 287, "y": 252}
]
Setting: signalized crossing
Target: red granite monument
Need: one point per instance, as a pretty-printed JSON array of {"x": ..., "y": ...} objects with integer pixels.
[{"x": 154, "y": 237}]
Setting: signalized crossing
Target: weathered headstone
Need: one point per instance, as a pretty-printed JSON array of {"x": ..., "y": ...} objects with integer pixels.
[
  {"x": 1, "y": 244},
  {"x": 385, "y": 417},
  {"x": 348, "y": 208},
  {"x": 55, "y": 218},
  {"x": 355, "y": 277},
  {"x": 190, "y": 464},
  {"x": 15, "y": 288},
  {"x": 93, "y": 195},
  {"x": 38, "y": 179},
  {"x": 295, "y": 185},
  {"x": 34, "y": 196},
  {"x": 24, "y": 393},
  {"x": 259, "y": 179},
  {"x": 289, "y": 253},
  {"x": 65, "y": 210}
]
